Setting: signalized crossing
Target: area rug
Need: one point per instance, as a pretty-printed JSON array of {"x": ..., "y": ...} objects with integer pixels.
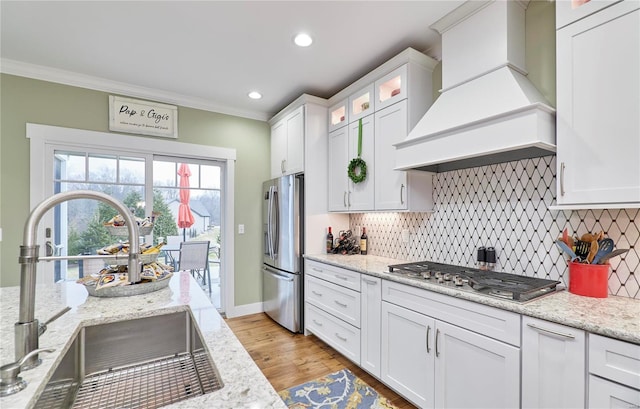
[{"x": 338, "y": 390}]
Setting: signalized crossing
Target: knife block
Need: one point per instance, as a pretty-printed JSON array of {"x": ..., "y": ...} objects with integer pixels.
[{"x": 590, "y": 280}]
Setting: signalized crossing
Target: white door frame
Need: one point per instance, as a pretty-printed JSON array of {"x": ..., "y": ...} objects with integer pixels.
[{"x": 44, "y": 136}]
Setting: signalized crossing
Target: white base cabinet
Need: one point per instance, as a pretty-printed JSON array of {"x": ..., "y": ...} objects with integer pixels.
[
  {"x": 370, "y": 322},
  {"x": 553, "y": 365},
  {"x": 436, "y": 363},
  {"x": 407, "y": 360},
  {"x": 614, "y": 373}
]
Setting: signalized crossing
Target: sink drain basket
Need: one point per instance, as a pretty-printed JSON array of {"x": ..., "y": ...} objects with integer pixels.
[{"x": 149, "y": 385}]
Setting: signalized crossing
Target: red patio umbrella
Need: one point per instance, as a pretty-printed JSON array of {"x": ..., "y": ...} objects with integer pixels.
[{"x": 185, "y": 217}]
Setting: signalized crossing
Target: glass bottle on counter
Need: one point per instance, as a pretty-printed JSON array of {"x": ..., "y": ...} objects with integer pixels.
[
  {"x": 329, "y": 241},
  {"x": 363, "y": 241}
]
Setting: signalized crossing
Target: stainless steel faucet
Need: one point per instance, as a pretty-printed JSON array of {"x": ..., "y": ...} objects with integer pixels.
[{"x": 26, "y": 329}]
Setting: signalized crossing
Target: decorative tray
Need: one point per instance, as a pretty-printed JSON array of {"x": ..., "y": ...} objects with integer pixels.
[
  {"x": 123, "y": 259},
  {"x": 128, "y": 290},
  {"x": 123, "y": 231}
]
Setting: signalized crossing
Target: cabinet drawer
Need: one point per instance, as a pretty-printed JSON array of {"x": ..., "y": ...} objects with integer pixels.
[
  {"x": 492, "y": 322},
  {"x": 607, "y": 394},
  {"x": 338, "y": 301},
  {"x": 336, "y": 275},
  {"x": 616, "y": 360},
  {"x": 340, "y": 335}
]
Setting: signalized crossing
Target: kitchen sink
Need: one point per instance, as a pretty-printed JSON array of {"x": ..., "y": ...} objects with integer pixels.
[{"x": 141, "y": 363}]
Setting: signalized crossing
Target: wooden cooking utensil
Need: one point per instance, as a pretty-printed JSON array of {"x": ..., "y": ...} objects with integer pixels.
[{"x": 592, "y": 251}]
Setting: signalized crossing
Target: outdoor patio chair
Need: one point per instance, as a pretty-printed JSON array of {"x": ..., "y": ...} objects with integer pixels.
[{"x": 194, "y": 256}]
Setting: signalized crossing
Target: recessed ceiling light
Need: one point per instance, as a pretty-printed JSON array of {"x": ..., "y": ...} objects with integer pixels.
[
  {"x": 303, "y": 40},
  {"x": 255, "y": 95}
]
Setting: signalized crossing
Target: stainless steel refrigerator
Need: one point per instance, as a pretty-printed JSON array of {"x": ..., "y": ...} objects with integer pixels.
[{"x": 283, "y": 231}]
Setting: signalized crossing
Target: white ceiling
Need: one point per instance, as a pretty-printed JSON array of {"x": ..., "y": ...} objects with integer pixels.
[{"x": 210, "y": 54}]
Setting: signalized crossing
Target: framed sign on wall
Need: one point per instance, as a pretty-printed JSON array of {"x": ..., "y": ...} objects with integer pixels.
[{"x": 142, "y": 117}]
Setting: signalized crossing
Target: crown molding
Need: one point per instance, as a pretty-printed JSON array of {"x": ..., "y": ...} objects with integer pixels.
[{"x": 74, "y": 79}]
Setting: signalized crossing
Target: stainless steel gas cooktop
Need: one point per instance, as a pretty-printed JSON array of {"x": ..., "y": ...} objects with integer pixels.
[{"x": 492, "y": 283}]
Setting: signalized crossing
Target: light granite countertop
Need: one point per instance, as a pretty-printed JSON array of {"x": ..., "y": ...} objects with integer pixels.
[
  {"x": 244, "y": 385},
  {"x": 615, "y": 317}
]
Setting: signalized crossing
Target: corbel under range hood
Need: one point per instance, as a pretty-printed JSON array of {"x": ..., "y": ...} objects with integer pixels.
[{"x": 488, "y": 112}]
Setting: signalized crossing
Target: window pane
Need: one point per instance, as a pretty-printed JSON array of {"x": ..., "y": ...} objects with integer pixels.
[
  {"x": 164, "y": 173},
  {"x": 102, "y": 168},
  {"x": 70, "y": 166},
  {"x": 131, "y": 170},
  {"x": 210, "y": 177},
  {"x": 194, "y": 179}
]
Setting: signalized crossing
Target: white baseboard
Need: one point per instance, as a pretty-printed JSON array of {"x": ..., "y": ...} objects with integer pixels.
[{"x": 246, "y": 309}]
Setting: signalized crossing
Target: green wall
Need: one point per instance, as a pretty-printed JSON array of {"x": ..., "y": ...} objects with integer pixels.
[{"x": 26, "y": 100}]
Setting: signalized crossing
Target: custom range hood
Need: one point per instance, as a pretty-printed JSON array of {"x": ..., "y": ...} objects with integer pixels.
[{"x": 488, "y": 112}]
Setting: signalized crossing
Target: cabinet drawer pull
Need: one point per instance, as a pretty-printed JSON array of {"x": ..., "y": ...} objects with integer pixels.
[
  {"x": 562, "y": 179},
  {"x": 437, "y": 336},
  {"x": 368, "y": 281},
  {"x": 319, "y": 270},
  {"x": 550, "y": 331},
  {"x": 428, "y": 331},
  {"x": 401, "y": 192},
  {"x": 340, "y": 337},
  {"x": 317, "y": 323},
  {"x": 340, "y": 304},
  {"x": 316, "y": 293},
  {"x": 342, "y": 277}
]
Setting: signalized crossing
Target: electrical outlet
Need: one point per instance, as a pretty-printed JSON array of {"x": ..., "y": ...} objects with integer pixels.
[
  {"x": 241, "y": 229},
  {"x": 405, "y": 235}
]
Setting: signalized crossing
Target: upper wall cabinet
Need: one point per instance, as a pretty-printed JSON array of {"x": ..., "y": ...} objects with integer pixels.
[
  {"x": 397, "y": 93},
  {"x": 338, "y": 115},
  {"x": 287, "y": 144},
  {"x": 570, "y": 11},
  {"x": 391, "y": 88},
  {"x": 361, "y": 103},
  {"x": 598, "y": 95}
]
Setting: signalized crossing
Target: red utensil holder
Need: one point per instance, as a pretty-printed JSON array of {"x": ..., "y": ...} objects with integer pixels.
[{"x": 590, "y": 280}]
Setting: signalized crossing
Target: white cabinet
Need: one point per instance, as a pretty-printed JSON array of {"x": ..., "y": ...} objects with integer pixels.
[
  {"x": 344, "y": 195},
  {"x": 397, "y": 189},
  {"x": 370, "y": 322},
  {"x": 338, "y": 115},
  {"x": 333, "y": 306},
  {"x": 287, "y": 144},
  {"x": 614, "y": 373},
  {"x": 598, "y": 98},
  {"x": 553, "y": 365},
  {"x": 488, "y": 369},
  {"x": 338, "y": 161},
  {"x": 361, "y": 103},
  {"x": 407, "y": 355},
  {"x": 397, "y": 93},
  {"x": 432, "y": 344}
]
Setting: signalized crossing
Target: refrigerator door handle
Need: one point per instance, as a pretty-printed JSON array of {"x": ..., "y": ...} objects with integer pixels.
[
  {"x": 276, "y": 239},
  {"x": 270, "y": 224},
  {"x": 276, "y": 275}
]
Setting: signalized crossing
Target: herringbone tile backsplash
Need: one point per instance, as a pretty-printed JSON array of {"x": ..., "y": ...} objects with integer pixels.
[{"x": 504, "y": 206}]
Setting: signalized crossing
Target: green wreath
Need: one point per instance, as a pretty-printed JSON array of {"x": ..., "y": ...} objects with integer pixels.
[{"x": 357, "y": 170}]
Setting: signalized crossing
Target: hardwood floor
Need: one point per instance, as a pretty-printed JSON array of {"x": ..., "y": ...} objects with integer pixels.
[{"x": 288, "y": 359}]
